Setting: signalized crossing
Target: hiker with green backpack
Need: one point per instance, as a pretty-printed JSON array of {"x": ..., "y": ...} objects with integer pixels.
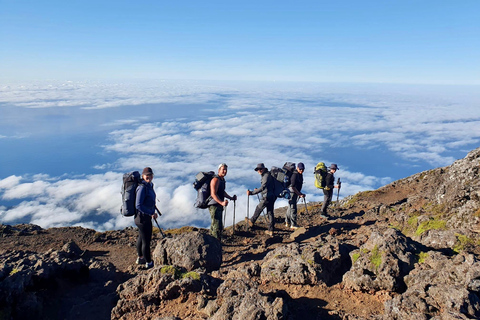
[{"x": 217, "y": 202}]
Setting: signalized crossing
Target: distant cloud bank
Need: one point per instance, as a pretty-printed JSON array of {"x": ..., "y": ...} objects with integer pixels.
[{"x": 241, "y": 124}]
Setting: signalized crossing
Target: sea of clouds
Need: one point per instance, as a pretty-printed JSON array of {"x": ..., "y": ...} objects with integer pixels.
[{"x": 375, "y": 133}]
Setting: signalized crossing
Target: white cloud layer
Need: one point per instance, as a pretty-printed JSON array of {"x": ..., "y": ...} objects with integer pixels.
[{"x": 247, "y": 125}]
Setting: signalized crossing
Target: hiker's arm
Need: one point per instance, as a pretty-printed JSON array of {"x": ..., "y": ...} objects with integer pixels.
[
  {"x": 262, "y": 187},
  {"x": 230, "y": 197},
  {"x": 298, "y": 193},
  {"x": 141, "y": 194},
  {"x": 213, "y": 192}
]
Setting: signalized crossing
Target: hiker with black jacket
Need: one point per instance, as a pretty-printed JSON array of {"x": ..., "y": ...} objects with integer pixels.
[
  {"x": 145, "y": 205},
  {"x": 296, "y": 183},
  {"x": 328, "y": 190},
  {"x": 268, "y": 198},
  {"x": 217, "y": 202}
]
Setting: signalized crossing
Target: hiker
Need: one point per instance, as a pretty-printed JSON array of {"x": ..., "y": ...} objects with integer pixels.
[
  {"x": 296, "y": 182},
  {"x": 145, "y": 205},
  {"x": 328, "y": 190},
  {"x": 217, "y": 202},
  {"x": 268, "y": 198}
]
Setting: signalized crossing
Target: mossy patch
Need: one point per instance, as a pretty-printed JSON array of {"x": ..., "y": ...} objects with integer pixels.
[
  {"x": 192, "y": 274},
  {"x": 175, "y": 272},
  {"x": 431, "y": 224},
  {"x": 355, "y": 256},
  {"x": 463, "y": 243},
  {"x": 422, "y": 256},
  {"x": 376, "y": 257},
  {"x": 178, "y": 273}
]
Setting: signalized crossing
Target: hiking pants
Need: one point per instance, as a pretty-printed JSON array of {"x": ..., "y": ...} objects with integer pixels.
[
  {"x": 269, "y": 204},
  {"x": 327, "y": 199},
  {"x": 144, "y": 224},
  {"x": 291, "y": 215},
  {"x": 216, "y": 227}
]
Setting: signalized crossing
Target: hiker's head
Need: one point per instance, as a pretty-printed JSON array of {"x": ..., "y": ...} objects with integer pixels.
[
  {"x": 260, "y": 168},
  {"x": 333, "y": 167},
  {"x": 222, "y": 170},
  {"x": 147, "y": 174},
  {"x": 300, "y": 167}
]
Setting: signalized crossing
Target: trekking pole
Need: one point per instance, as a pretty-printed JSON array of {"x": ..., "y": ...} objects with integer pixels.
[
  {"x": 161, "y": 232},
  {"x": 234, "y": 205},
  {"x": 224, "y": 215},
  {"x": 306, "y": 209},
  {"x": 339, "y": 186},
  {"x": 159, "y": 213},
  {"x": 248, "y": 206}
]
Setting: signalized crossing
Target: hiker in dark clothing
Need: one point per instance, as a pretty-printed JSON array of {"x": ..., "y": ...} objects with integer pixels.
[
  {"x": 268, "y": 198},
  {"x": 296, "y": 182},
  {"x": 328, "y": 190},
  {"x": 217, "y": 202},
  {"x": 145, "y": 205}
]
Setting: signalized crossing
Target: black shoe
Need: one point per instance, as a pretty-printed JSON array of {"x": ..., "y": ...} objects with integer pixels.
[{"x": 149, "y": 265}]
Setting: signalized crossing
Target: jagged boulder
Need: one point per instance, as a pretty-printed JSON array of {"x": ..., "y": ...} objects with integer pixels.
[
  {"x": 140, "y": 296},
  {"x": 190, "y": 250},
  {"x": 240, "y": 298},
  {"x": 440, "y": 286},
  {"x": 381, "y": 263},
  {"x": 321, "y": 261},
  {"x": 286, "y": 265},
  {"x": 330, "y": 257},
  {"x": 26, "y": 276}
]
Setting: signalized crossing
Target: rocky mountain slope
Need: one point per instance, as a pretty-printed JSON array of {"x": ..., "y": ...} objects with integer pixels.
[{"x": 408, "y": 250}]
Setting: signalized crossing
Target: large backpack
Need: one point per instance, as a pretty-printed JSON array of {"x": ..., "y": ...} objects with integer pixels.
[
  {"x": 281, "y": 180},
  {"x": 320, "y": 175},
  {"x": 289, "y": 168},
  {"x": 202, "y": 185},
  {"x": 129, "y": 192}
]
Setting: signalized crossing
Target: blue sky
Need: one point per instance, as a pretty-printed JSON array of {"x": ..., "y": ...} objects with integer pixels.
[{"x": 434, "y": 42}]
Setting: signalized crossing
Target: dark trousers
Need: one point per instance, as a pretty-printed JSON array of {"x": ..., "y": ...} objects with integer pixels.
[
  {"x": 291, "y": 215},
  {"x": 327, "y": 199},
  {"x": 144, "y": 224},
  {"x": 269, "y": 204}
]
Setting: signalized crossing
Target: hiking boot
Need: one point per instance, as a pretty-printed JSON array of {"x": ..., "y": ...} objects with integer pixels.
[
  {"x": 324, "y": 216},
  {"x": 294, "y": 227},
  {"x": 287, "y": 225},
  {"x": 268, "y": 232},
  {"x": 140, "y": 261},
  {"x": 149, "y": 265},
  {"x": 249, "y": 222}
]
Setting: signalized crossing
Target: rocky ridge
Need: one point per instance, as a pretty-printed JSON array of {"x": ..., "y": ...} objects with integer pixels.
[{"x": 408, "y": 250}]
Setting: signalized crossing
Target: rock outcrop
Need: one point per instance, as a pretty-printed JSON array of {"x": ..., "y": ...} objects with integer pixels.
[
  {"x": 447, "y": 287},
  {"x": 381, "y": 263},
  {"x": 191, "y": 251}
]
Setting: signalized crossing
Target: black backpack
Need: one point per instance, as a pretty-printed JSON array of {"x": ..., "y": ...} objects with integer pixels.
[
  {"x": 129, "y": 192},
  {"x": 281, "y": 180},
  {"x": 202, "y": 185},
  {"x": 289, "y": 168}
]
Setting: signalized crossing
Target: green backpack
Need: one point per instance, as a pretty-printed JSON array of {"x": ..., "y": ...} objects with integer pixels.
[{"x": 320, "y": 174}]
